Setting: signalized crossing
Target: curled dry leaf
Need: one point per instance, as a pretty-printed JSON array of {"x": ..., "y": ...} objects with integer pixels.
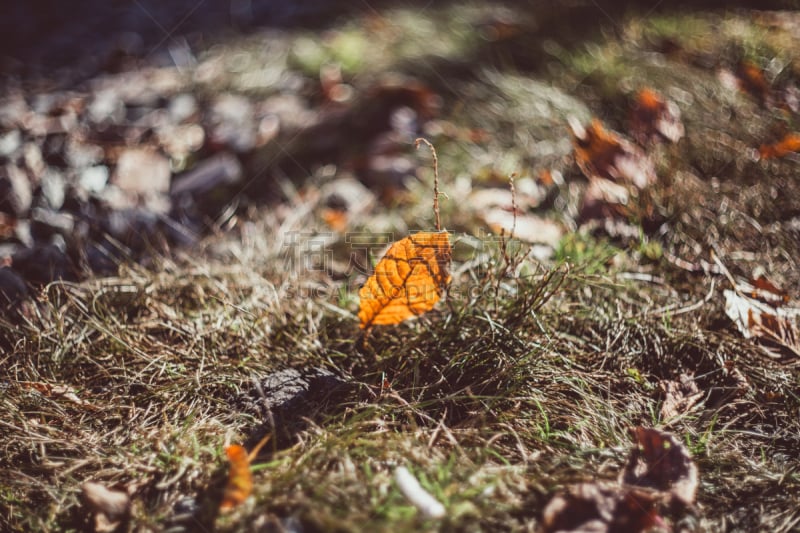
[
  {"x": 408, "y": 280},
  {"x": 659, "y": 471},
  {"x": 602, "y": 508},
  {"x": 240, "y": 479},
  {"x": 759, "y": 310},
  {"x": 604, "y": 154},
  {"x": 663, "y": 463},
  {"x": 679, "y": 396},
  {"x": 110, "y": 508},
  {"x": 789, "y": 144},
  {"x": 756, "y": 319},
  {"x": 654, "y": 118}
]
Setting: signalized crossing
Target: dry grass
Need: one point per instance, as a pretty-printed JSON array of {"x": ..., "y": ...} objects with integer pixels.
[
  {"x": 524, "y": 381},
  {"x": 495, "y": 401}
]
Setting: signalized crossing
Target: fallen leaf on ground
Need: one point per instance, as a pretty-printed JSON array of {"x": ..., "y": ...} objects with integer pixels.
[
  {"x": 659, "y": 471},
  {"x": 663, "y": 463},
  {"x": 240, "y": 479},
  {"x": 679, "y": 396},
  {"x": 654, "y": 118},
  {"x": 408, "y": 280},
  {"x": 604, "y": 199},
  {"x": 59, "y": 391},
  {"x": 789, "y": 144},
  {"x": 604, "y": 154},
  {"x": 758, "y": 319},
  {"x": 109, "y": 507},
  {"x": 602, "y": 508},
  {"x": 751, "y": 80}
]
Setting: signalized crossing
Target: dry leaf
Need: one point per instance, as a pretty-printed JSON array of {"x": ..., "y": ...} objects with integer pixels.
[
  {"x": 654, "y": 118},
  {"x": 59, "y": 391},
  {"x": 757, "y": 319},
  {"x": 679, "y": 396},
  {"x": 240, "y": 479},
  {"x": 789, "y": 144},
  {"x": 408, "y": 280},
  {"x": 604, "y": 154},
  {"x": 661, "y": 462},
  {"x": 602, "y": 508},
  {"x": 751, "y": 80},
  {"x": 659, "y": 470},
  {"x": 110, "y": 508}
]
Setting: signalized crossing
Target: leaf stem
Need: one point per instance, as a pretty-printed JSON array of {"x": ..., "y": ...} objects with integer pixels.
[{"x": 417, "y": 142}]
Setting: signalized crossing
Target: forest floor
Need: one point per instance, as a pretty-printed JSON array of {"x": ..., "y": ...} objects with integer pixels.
[{"x": 597, "y": 316}]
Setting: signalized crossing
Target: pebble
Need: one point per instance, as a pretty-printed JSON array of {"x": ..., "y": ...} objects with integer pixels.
[
  {"x": 10, "y": 142},
  {"x": 106, "y": 106},
  {"x": 232, "y": 122},
  {"x": 16, "y": 194},
  {"x": 182, "y": 107},
  {"x": 45, "y": 223},
  {"x": 53, "y": 188},
  {"x": 142, "y": 171},
  {"x": 220, "y": 170},
  {"x": 81, "y": 155},
  {"x": 94, "y": 179},
  {"x": 13, "y": 110}
]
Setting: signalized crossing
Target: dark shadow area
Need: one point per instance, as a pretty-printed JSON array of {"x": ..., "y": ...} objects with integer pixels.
[{"x": 43, "y": 40}]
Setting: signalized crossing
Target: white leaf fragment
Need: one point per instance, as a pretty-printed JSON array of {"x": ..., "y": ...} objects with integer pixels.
[{"x": 422, "y": 499}]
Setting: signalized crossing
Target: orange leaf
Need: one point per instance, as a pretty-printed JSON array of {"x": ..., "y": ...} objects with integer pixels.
[
  {"x": 790, "y": 143},
  {"x": 240, "y": 480},
  {"x": 751, "y": 80},
  {"x": 602, "y": 153},
  {"x": 654, "y": 118},
  {"x": 408, "y": 280}
]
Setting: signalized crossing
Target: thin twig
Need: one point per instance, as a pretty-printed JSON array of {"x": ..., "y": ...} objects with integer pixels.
[
  {"x": 675, "y": 310},
  {"x": 417, "y": 142},
  {"x": 513, "y": 205}
]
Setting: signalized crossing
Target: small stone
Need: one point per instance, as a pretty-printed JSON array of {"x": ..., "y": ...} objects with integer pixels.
[
  {"x": 45, "y": 103},
  {"x": 106, "y": 106},
  {"x": 22, "y": 233},
  {"x": 220, "y": 170},
  {"x": 289, "y": 396},
  {"x": 46, "y": 223},
  {"x": 182, "y": 107},
  {"x": 16, "y": 193},
  {"x": 13, "y": 110},
  {"x": 180, "y": 141},
  {"x": 94, "y": 179},
  {"x": 290, "y": 110},
  {"x": 53, "y": 188},
  {"x": 82, "y": 155},
  {"x": 34, "y": 160},
  {"x": 142, "y": 171},
  {"x": 232, "y": 122},
  {"x": 9, "y": 142}
]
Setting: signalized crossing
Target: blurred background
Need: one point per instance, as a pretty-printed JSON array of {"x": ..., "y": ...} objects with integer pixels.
[{"x": 129, "y": 128}]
